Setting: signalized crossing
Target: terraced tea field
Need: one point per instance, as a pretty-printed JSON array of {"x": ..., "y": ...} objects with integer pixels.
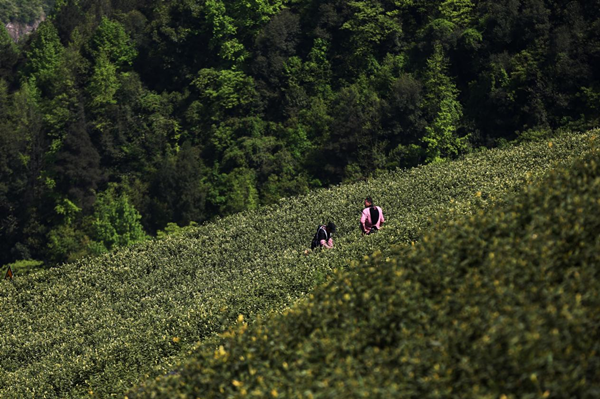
[{"x": 102, "y": 325}]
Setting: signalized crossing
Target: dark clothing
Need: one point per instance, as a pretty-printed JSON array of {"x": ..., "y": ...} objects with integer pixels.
[{"x": 322, "y": 238}]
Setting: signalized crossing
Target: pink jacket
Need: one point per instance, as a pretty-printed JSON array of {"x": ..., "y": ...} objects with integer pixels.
[{"x": 365, "y": 220}]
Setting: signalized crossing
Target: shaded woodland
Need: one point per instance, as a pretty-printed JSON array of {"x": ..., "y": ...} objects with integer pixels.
[{"x": 24, "y": 11}]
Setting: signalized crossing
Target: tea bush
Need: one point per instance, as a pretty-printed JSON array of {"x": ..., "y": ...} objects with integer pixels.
[
  {"x": 24, "y": 267},
  {"x": 102, "y": 324},
  {"x": 504, "y": 303}
]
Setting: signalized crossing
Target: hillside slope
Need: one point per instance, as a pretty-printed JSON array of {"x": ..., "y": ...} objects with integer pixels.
[
  {"x": 501, "y": 304},
  {"x": 101, "y": 325}
]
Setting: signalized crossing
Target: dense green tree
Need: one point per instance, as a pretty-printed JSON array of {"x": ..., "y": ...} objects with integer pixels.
[
  {"x": 45, "y": 58},
  {"x": 458, "y": 12},
  {"x": 24, "y": 11},
  {"x": 77, "y": 165},
  {"x": 404, "y": 113},
  {"x": 222, "y": 97},
  {"x": 274, "y": 45},
  {"x": 66, "y": 242},
  {"x": 354, "y": 146},
  {"x": 441, "y": 139},
  {"x": 112, "y": 52},
  {"x": 371, "y": 27},
  {"x": 224, "y": 41},
  {"x": 11, "y": 176},
  {"x": 223, "y": 94},
  {"x": 111, "y": 40},
  {"x": 239, "y": 192},
  {"x": 24, "y": 145},
  {"x": 115, "y": 222},
  {"x": 9, "y": 54},
  {"x": 178, "y": 190},
  {"x": 308, "y": 83},
  {"x": 71, "y": 15},
  {"x": 190, "y": 187},
  {"x": 103, "y": 83}
]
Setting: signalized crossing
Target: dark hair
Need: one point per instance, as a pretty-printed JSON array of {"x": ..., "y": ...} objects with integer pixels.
[
  {"x": 369, "y": 200},
  {"x": 331, "y": 227}
]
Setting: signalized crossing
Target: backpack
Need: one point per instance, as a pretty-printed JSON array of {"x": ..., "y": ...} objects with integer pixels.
[{"x": 315, "y": 241}]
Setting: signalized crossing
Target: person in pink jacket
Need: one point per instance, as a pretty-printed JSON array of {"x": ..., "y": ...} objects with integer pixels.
[{"x": 371, "y": 218}]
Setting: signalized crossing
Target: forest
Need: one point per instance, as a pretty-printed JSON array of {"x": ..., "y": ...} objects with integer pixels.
[
  {"x": 125, "y": 119},
  {"x": 25, "y": 11}
]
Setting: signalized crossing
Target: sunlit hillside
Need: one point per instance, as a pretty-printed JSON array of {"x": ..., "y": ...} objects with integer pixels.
[
  {"x": 504, "y": 303},
  {"x": 103, "y": 324}
]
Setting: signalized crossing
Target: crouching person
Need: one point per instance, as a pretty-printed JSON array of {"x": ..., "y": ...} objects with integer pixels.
[{"x": 323, "y": 236}]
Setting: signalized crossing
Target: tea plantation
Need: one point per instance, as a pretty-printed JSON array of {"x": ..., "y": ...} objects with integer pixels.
[
  {"x": 504, "y": 303},
  {"x": 427, "y": 321}
]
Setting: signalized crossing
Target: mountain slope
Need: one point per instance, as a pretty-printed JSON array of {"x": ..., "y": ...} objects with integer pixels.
[
  {"x": 501, "y": 304},
  {"x": 101, "y": 325}
]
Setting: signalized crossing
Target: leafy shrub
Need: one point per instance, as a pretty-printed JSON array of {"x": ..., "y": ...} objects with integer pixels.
[
  {"x": 117, "y": 222},
  {"x": 499, "y": 304},
  {"x": 173, "y": 229},
  {"x": 23, "y": 267},
  {"x": 103, "y": 324}
]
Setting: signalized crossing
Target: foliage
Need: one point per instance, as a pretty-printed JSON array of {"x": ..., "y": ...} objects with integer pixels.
[
  {"x": 101, "y": 324},
  {"x": 173, "y": 229},
  {"x": 8, "y": 53},
  {"x": 104, "y": 83},
  {"x": 196, "y": 109},
  {"x": 24, "y": 267},
  {"x": 66, "y": 243},
  {"x": 111, "y": 40},
  {"x": 45, "y": 57},
  {"x": 25, "y": 11},
  {"x": 441, "y": 101},
  {"x": 116, "y": 222},
  {"x": 240, "y": 191},
  {"x": 499, "y": 304},
  {"x": 176, "y": 101}
]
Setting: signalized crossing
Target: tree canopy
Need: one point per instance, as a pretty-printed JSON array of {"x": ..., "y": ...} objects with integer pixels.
[
  {"x": 25, "y": 11},
  {"x": 192, "y": 109}
]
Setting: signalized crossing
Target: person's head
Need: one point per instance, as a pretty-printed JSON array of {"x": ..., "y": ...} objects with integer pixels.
[
  {"x": 368, "y": 202},
  {"x": 330, "y": 228}
]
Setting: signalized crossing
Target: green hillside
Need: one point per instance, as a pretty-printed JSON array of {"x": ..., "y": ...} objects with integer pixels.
[
  {"x": 501, "y": 304},
  {"x": 102, "y": 325}
]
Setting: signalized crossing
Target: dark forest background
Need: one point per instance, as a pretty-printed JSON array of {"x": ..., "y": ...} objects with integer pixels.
[
  {"x": 24, "y": 11},
  {"x": 123, "y": 119}
]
